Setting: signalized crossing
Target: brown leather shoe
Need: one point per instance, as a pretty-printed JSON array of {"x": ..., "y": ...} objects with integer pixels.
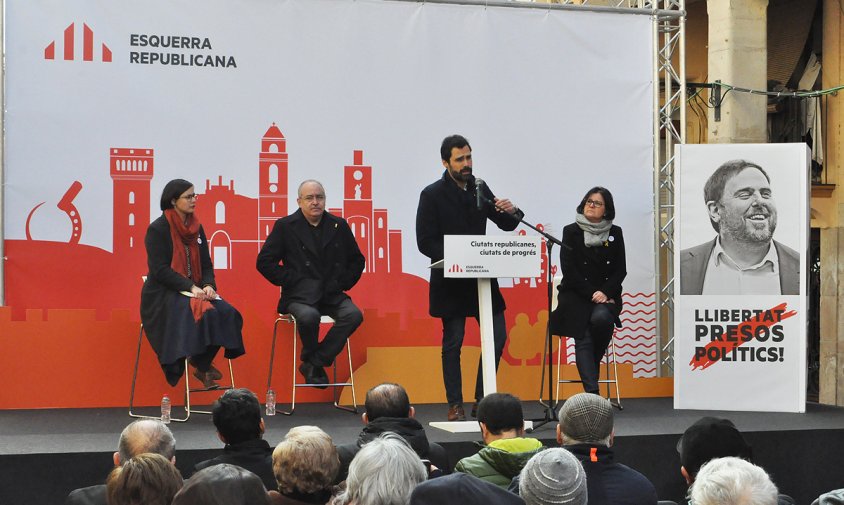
[
  {"x": 455, "y": 413},
  {"x": 213, "y": 373},
  {"x": 206, "y": 380}
]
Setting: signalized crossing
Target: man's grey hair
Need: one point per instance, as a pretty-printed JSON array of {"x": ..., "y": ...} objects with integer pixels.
[
  {"x": 732, "y": 481},
  {"x": 384, "y": 472},
  {"x": 146, "y": 435},
  {"x": 309, "y": 181}
]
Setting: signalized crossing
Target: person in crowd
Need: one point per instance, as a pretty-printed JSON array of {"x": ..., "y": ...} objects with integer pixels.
[
  {"x": 834, "y": 497},
  {"x": 388, "y": 409},
  {"x": 743, "y": 258},
  {"x": 146, "y": 479},
  {"x": 454, "y": 205},
  {"x": 732, "y": 481},
  {"x": 237, "y": 417},
  {"x": 223, "y": 484},
  {"x": 589, "y": 302},
  {"x": 709, "y": 438},
  {"x": 505, "y": 450},
  {"x": 319, "y": 261},
  {"x": 305, "y": 465},
  {"x": 179, "y": 326},
  {"x": 555, "y": 477},
  {"x": 139, "y": 437},
  {"x": 384, "y": 472},
  {"x": 586, "y": 430},
  {"x": 463, "y": 489}
]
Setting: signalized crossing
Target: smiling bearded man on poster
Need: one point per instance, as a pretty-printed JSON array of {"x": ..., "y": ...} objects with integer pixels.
[{"x": 741, "y": 259}]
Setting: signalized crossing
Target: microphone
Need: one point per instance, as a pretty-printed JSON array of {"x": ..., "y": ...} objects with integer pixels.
[{"x": 479, "y": 196}]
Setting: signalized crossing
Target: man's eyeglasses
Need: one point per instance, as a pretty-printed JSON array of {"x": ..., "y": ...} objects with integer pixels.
[
  {"x": 311, "y": 198},
  {"x": 192, "y": 196},
  {"x": 594, "y": 203}
]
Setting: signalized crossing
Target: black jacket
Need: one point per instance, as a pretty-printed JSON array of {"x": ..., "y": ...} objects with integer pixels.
[
  {"x": 253, "y": 455},
  {"x": 445, "y": 209},
  {"x": 611, "y": 483},
  {"x": 607, "y": 482},
  {"x": 408, "y": 428},
  {"x": 586, "y": 270},
  {"x": 163, "y": 283},
  {"x": 311, "y": 273}
]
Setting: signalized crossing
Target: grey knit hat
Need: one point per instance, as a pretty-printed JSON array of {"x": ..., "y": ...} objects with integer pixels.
[
  {"x": 553, "y": 476},
  {"x": 586, "y": 417}
]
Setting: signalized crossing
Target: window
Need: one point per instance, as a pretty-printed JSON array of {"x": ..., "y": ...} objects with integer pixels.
[
  {"x": 131, "y": 219},
  {"x": 220, "y": 213},
  {"x": 131, "y": 197}
]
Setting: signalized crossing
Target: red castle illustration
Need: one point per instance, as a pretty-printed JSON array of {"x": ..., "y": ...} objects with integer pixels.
[{"x": 99, "y": 290}]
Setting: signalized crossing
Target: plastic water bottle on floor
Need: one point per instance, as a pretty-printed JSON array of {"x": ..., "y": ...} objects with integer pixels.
[
  {"x": 270, "y": 403},
  {"x": 165, "y": 409}
]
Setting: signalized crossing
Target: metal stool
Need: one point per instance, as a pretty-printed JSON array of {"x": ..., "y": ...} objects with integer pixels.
[
  {"x": 288, "y": 318},
  {"x": 610, "y": 359},
  {"x": 561, "y": 349},
  {"x": 188, "y": 390}
]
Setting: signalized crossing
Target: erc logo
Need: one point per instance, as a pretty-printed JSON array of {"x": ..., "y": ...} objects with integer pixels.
[
  {"x": 69, "y": 47},
  {"x": 455, "y": 268}
]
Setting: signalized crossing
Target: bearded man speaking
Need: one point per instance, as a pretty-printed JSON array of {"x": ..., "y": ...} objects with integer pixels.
[{"x": 740, "y": 259}]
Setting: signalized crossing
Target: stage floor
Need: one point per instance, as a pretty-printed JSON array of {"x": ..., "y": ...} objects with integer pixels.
[
  {"x": 96, "y": 430},
  {"x": 46, "y": 453}
]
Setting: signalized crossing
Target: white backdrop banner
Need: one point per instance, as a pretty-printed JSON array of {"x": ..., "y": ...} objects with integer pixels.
[
  {"x": 740, "y": 304},
  {"x": 107, "y": 100}
]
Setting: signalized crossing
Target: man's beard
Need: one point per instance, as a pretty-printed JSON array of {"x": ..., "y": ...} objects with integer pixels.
[{"x": 743, "y": 229}]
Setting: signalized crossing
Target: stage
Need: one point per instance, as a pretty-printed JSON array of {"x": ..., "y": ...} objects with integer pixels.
[{"x": 46, "y": 453}]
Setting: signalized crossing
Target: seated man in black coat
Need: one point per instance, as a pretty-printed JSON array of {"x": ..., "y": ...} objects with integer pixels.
[
  {"x": 388, "y": 409},
  {"x": 237, "y": 417},
  {"x": 314, "y": 257}
]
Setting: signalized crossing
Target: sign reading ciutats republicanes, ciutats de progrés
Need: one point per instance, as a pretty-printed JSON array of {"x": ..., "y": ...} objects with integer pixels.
[
  {"x": 176, "y": 50},
  {"x": 492, "y": 256}
]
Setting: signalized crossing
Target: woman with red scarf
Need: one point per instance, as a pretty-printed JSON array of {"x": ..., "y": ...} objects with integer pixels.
[{"x": 176, "y": 325}]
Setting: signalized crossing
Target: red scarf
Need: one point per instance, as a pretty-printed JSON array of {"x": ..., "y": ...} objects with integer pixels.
[{"x": 187, "y": 235}]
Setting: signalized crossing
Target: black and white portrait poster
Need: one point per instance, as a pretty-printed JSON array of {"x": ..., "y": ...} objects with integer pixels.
[{"x": 740, "y": 271}]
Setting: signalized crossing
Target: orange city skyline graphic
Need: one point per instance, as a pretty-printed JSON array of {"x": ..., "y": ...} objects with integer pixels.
[{"x": 93, "y": 309}]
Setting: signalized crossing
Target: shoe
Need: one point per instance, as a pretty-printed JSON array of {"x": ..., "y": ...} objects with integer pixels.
[
  {"x": 213, "y": 373},
  {"x": 312, "y": 376},
  {"x": 206, "y": 380},
  {"x": 475, "y": 409},
  {"x": 455, "y": 412}
]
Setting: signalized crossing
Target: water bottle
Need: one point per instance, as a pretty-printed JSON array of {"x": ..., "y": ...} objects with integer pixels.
[
  {"x": 165, "y": 409},
  {"x": 270, "y": 404}
]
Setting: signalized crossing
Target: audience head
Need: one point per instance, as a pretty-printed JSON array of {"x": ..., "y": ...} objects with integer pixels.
[
  {"x": 384, "y": 472},
  {"x": 145, "y": 479},
  {"x": 145, "y": 435},
  {"x": 709, "y": 438},
  {"x": 223, "y": 485},
  {"x": 464, "y": 489},
  {"x": 732, "y": 481},
  {"x": 586, "y": 418},
  {"x": 237, "y": 416},
  {"x": 387, "y": 400},
  {"x": 500, "y": 414},
  {"x": 553, "y": 476},
  {"x": 306, "y": 461}
]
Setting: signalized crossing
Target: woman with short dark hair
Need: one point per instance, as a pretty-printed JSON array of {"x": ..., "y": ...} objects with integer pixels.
[
  {"x": 180, "y": 309},
  {"x": 589, "y": 302},
  {"x": 223, "y": 485}
]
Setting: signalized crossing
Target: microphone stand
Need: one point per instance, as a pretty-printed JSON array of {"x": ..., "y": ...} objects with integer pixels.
[{"x": 549, "y": 407}]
